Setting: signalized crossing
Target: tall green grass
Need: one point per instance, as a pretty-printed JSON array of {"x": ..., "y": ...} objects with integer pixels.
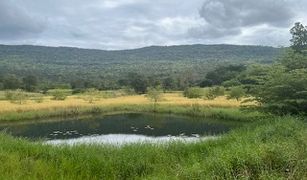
[{"x": 275, "y": 149}]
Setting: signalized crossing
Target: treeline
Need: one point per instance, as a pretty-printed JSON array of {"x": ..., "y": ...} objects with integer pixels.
[
  {"x": 138, "y": 82},
  {"x": 280, "y": 87},
  {"x": 175, "y": 67}
]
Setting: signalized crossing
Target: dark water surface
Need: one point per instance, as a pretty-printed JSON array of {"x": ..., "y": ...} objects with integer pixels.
[{"x": 123, "y": 127}]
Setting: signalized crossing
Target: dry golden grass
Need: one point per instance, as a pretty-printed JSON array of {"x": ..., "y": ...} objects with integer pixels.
[{"x": 75, "y": 101}]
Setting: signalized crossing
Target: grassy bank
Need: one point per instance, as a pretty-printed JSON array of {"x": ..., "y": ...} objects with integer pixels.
[
  {"x": 276, "y": 149},
  {"x": 232, "y": 114},
  {"x": 175, "y": 103}
]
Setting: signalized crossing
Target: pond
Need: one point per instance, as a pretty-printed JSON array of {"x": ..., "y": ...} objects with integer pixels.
[{"x": 119, "y": 129}]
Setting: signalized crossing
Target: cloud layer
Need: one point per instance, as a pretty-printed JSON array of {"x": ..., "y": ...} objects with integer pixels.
[
  {"x": 16, "y": 23},
  {"x": 124, "y": 24}
]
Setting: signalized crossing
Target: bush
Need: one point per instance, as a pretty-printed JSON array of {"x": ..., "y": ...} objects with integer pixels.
[
  {"x": 194, "y": 92},
  {"x": 236, "y": 93},
  {"x": 214, "y": 92},
  {"x": 154, "y": 94},
  {"x": 17, "y": 96},
  {"x": 91, "y": 95}
]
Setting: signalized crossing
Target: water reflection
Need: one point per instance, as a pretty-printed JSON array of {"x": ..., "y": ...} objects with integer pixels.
[
  {"x": 122, "y": 139},
  {"x": 120, "y": 128}
]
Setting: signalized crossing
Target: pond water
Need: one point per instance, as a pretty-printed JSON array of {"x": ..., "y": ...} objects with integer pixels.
[{"x": 119, "y": 129}]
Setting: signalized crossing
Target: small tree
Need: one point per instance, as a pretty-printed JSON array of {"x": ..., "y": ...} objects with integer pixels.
[
  {"x": 30, "y": 83},
  {"x": 18, "y": 96},
  {"x": 91, "y": 95},
  {"x": 194, "y": 92},
  {"x": 236, "y": 93},
  {"x": 214, "y": 92},
  {"x": 154, "y": 94}
]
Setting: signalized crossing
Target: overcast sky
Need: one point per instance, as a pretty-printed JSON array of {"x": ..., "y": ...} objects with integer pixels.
[{"x": 126, "y": 24}]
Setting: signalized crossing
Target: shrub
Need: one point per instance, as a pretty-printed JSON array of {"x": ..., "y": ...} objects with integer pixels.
[
  {"x": 194, "y": 92},
  {"x": 214, "y": 92},
  {"x": 236, "y": 93},
  {"x": 91, "y": 95},
  {"x": 17, "y": 96}
]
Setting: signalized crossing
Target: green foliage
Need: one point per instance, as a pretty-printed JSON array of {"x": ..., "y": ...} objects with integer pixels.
[
  {"x": 222, "y": 74},
  {"x": 236, "y": 93},
  {"x": 11, "y": 82},
  {"x": 154, "y": 94},
  {"x": 175, "y": 67},
  {"x": 299, "y": 37},
  {"x": 194, "y": 92},
  {"x": 213, "y": 92},
  {"x": 284, "y": 91},
  {"x": 253, "y": 76},
  {"x": 231, "y": 83},
  {"x": 136, "y": 81},
  {"x": 18, "y": 96},
  {"x": 59, "y": 94},
  {"x": 30, "y": 83},
  {"x": 293, "y": 60}
]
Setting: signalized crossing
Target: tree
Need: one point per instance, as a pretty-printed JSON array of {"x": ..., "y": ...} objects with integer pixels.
[
  {"x": 29, "y": 82},
  {"x": 169, "y": 83},
  {"x": 18, "y": 96},
  {"x": 137, "y": 82},
  {"x": 284, "y": 91},
  {"x": 299, "y": 37},
  {"x": 283, "y": 88},
  {"x": 293, "y": 60},
  {"x": 194, "y": 92},
  {"x": 253, "y": 76},
  {"x": 222, "y": 74},
  {"x": 236, "y": 93},
  {"x": 11, "y": 82},
  {"x": 154, "y": 94},
  {"x": 214, "y": 92}
]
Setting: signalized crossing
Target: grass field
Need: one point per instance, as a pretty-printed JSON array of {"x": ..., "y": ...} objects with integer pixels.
[
  {"x": 77, "y": 101},
  {"x": 220, "y": 107},
  {"x": 275, "y": 149}
]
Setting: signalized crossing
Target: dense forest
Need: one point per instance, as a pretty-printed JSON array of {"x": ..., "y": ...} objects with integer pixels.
[{"x": 173, "y": 67}]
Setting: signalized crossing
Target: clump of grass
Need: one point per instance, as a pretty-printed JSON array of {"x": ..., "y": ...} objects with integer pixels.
[{"x": 276, "y": 149}]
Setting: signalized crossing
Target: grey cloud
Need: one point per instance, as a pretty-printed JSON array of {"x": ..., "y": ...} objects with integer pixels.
[
  {"x": 211, "y": 32},
  {"x": 122, "y": 24},
  {"x": 228, "y": 17},
  {"x": 15, "y": 22}
]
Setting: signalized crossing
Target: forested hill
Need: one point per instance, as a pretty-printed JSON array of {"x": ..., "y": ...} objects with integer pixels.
[
  {"x": 184, "y": 52},
  {"x": 65, "y": 64}
]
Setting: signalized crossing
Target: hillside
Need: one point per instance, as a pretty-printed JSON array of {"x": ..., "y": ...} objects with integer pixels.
[{"x": 66, "y": 64}]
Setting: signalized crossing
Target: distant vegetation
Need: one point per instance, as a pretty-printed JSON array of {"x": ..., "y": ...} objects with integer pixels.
[{"x": 35, "y": 68}]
